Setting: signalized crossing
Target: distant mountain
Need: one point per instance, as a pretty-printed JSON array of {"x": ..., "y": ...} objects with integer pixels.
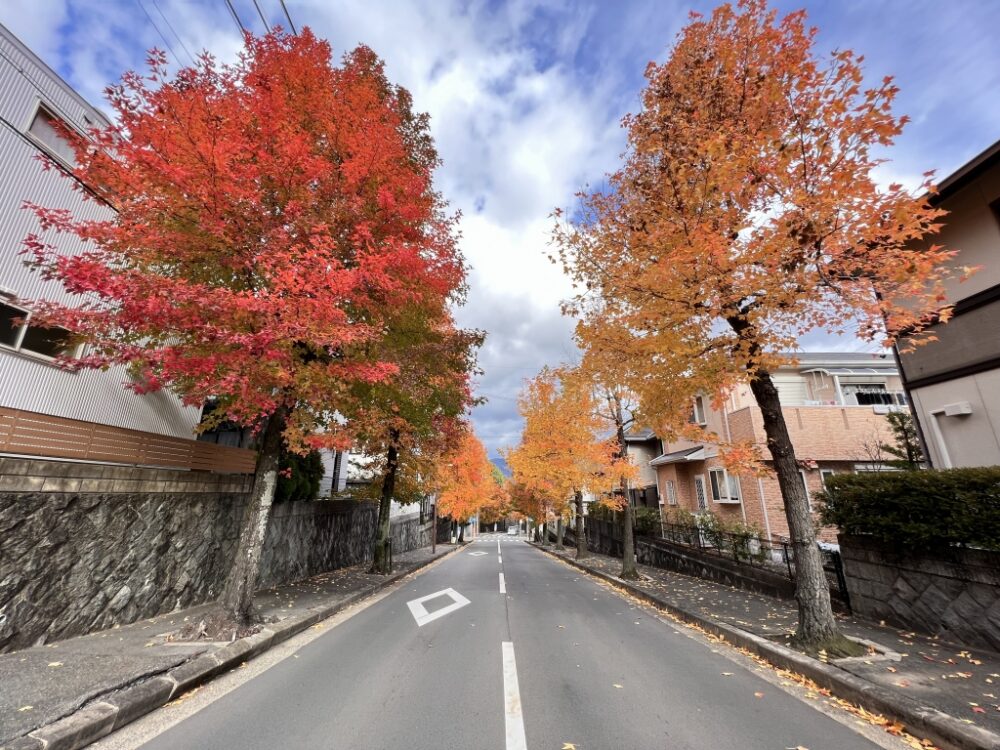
[{"x": 502, "y": 465}]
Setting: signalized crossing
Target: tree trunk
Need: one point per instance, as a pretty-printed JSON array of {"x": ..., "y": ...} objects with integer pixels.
[
  {"x": 559, "y": 533},
  {"x": 817, "y": 627},
  {"x": 380, "y": 556},
  {"x": 545, "y": 533},
  {"x": 629, "y": 571},
  {"x": 238, "y": 591},
  {"x": 581, "y": 531},
  {"x": 461, "y": 532}
]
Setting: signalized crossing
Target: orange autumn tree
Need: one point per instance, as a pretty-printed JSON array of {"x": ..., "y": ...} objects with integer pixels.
[
  {"x": 564, "y": 449},
  {"x": 606, "y": 378},
  {"x": 746, "y": 215},
  {"x": 464, "y": 480}
]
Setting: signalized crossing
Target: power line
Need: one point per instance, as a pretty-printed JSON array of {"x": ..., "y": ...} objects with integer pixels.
[
  {"x": 261, "y": 14},
  {"x": 174, "y": 32},
  {"x": 239, "y": 23},
  {"x": 288, "y": 16},
  {"x": 153, "y": 24}
]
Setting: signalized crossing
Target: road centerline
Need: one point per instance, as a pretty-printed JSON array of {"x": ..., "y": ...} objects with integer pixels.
[
  {"x": 503, "y": 584},
  {"x": 513, "y": 716}
]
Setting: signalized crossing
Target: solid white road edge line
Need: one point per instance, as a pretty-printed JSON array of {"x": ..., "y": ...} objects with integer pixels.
[
  {"x": 513, "y": 718},
  {"x": 503, "y": 585}
]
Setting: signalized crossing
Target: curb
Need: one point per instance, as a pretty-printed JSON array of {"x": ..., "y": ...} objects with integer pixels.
[
  {"x": 920, "y": 719},
  {"x": 104, "y": 716}
]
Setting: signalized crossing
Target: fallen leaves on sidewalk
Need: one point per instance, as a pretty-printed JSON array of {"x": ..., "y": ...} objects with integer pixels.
[
  {"x": 25, "y": 708},
  {"x": 183, "y": 697}
]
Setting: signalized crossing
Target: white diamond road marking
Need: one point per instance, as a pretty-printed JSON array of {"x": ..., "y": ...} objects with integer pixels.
[
  {"x": 422, "y": 616},
  {"x": 477, "y": 554}
]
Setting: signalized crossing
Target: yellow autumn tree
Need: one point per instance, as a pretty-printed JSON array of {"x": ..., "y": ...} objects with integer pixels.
[{"x": 565, "y": 449}]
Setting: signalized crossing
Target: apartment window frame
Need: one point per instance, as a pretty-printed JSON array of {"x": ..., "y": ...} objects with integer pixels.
[
  {"x": 49, "y": 110},
  {"x": 699, "y": 414},
  {"x": 670, "y": 490},
  {"x": 72, "y": 352},
  {"x": 824, "y": 474},
  {"x": 725, "y": 490}
]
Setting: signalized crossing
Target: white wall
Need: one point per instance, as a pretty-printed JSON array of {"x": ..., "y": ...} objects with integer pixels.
[{"x": 26, "y": 381}]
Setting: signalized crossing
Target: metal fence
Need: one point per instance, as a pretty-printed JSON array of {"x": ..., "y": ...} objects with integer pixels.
[{"x": 775, "y": 555}]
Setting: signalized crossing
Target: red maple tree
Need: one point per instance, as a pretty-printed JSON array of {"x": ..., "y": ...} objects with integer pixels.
[{"x": 269, "y": 215}]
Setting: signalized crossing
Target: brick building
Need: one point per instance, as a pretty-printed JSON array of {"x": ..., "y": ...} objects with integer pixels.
[{"x": 834, "y": 405}]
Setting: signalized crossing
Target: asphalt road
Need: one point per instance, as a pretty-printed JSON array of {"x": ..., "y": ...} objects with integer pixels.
[{"x": 582, "y": 668}]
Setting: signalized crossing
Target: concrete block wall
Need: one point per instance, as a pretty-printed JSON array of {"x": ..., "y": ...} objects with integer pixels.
[{"x": 953, "y": 593}]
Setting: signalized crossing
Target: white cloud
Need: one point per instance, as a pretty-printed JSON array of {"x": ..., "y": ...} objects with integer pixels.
[{"x": 525, "y": 98}]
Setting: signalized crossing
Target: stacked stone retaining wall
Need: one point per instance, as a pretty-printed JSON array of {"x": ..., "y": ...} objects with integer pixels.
[{"x": 84, "y": 547}]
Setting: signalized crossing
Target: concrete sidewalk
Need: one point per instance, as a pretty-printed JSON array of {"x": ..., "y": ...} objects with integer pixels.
[
  {"x": 68, "y": 693},
  {"x": 959, "y": 687}
]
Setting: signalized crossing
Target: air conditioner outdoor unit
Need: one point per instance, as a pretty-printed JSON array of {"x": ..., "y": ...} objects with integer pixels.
[{"x": 958, "y": 409}]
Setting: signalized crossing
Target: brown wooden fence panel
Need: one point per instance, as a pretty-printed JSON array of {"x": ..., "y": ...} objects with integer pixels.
[{"x": 29, "y": 433}]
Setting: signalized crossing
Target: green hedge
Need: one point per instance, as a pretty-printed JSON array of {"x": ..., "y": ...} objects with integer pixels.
[
  {"x": 647, "y": 520},
  {"x": 918, "y": 508},
  {"x": 299, "y": 478}
]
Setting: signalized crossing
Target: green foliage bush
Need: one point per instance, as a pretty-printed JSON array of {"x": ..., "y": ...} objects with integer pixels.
[
  {"x": 647, "y": 521},
  {"x": 918, "y": 508},
  {"x": 303, "y": 481}
]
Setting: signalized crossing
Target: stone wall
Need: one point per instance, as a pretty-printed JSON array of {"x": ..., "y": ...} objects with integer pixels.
[
  {"x": 954, "y": 593},
  {"x": 84, "y": 547}
]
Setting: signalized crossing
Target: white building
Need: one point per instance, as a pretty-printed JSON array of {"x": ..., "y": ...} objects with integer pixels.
[{"x": 33, "y": 97}]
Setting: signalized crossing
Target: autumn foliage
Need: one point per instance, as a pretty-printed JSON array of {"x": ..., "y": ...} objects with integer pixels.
[
  {"x": 565, "y": 446},
  {"x": 748, "y": 213},
  {"x": 464, "y": 478},
  {"x": 275, "y": 226},
  {"x": 269, "y": 216}
]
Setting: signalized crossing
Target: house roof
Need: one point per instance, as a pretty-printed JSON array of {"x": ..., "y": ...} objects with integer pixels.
[
  {"x": 848, "y": 371},
  {"x": 639, "y": 436},
  {"x": 688, "y": 454},
  {"x": 966, "y": 173}
]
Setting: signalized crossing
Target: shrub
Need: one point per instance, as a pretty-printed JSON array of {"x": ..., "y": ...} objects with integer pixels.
[
  {"x": 647, "y": 521},
  {"x": 918, "y": 508},
  {"x": 303, "y": 481}
]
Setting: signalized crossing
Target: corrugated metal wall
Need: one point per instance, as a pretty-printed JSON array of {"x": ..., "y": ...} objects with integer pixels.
[{"x": 27, "y": 382}]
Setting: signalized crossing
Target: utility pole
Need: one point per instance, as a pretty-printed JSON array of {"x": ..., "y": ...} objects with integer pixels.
[{"x": 434, "y": 529}]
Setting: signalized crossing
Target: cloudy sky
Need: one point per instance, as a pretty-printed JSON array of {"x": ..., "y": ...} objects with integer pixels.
[{"x": 526, "y": 98}]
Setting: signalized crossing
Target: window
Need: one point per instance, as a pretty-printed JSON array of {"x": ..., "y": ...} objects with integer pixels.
[
  {"x": 869, "y": 394},
  {"x": 725, "y": 487},
  {"x": 698, "y": 411},
  {"x": 43, "y": 130},
  {"x": 671, "y": 491},
  {"x": 699, "y": 492},
  {"x": 805, "y": 488},
  {"x": 825, "y": 474},
  {"x": 49, "y": 342}
]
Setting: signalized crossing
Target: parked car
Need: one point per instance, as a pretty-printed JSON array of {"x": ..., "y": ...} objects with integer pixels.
[{"x": 512, "y": 531}]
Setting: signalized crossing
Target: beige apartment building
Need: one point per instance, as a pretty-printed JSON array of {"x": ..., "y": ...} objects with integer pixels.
[
  {"x": 954, "y": 382},
  {"x": 834, "y": 405}
]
